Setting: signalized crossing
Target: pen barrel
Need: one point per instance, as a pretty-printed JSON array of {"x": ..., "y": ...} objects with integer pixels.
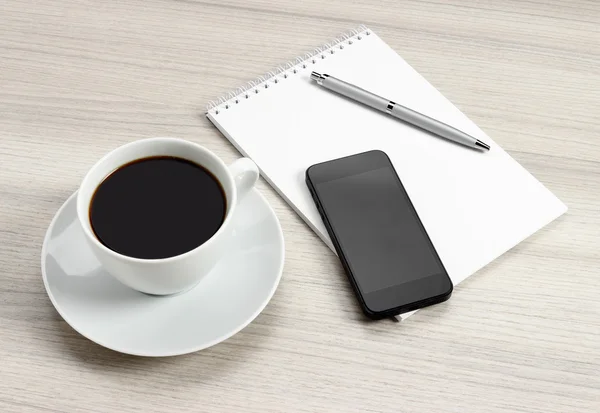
[
  {"x": 355, "y": 93},
  {"x": 398, "y": 111},
  {"x": 431, "y": 125}
]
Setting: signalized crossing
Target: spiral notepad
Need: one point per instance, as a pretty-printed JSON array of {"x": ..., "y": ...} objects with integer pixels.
[{"x": 474, "y": 206}]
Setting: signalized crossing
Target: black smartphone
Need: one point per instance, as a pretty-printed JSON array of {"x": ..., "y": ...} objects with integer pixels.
[{"x": 384, "y": 248}]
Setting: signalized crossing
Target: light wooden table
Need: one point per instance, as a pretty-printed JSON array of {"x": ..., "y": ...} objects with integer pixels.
[{"x": 79, "y": 78}]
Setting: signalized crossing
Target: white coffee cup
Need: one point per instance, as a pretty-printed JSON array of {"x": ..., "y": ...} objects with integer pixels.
[{"x": 178, "y": 273}]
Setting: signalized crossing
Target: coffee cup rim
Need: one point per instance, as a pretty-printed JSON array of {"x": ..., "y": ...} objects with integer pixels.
[{"x": 91, "y": 236}]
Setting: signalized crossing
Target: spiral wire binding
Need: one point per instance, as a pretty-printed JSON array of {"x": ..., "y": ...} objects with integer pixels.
[{"x": 285, "y": 70}]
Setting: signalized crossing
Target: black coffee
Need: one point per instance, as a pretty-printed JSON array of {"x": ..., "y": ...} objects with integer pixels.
[{"x": 157, "y": 207}]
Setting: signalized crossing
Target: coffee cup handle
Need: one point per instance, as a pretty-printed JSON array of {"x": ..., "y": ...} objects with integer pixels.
[{"x": 245, "y": 174}]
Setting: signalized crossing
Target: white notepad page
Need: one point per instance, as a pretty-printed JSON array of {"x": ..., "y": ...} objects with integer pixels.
[{"x": 474, "y": 205}]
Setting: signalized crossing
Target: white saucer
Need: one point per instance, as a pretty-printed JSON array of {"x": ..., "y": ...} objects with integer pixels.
[{"x": 107, "y": 312}]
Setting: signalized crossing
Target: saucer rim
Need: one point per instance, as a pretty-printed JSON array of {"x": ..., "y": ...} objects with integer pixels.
[{"x": 203, "y": 346}]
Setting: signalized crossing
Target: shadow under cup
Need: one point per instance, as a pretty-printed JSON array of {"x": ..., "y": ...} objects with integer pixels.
[{"x": 168, "y": 274}]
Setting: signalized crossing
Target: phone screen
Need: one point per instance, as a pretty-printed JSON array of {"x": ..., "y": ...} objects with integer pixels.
[{"x": 376, "y": 226}]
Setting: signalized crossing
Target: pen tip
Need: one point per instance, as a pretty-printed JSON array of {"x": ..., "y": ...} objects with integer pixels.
[{"x": 482, "y": 145}]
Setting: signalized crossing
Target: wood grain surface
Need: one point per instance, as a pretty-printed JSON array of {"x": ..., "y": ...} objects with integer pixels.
[{"x": 79, "y": 78}]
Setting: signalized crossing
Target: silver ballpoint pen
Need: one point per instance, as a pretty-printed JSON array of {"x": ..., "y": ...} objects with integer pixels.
[{"x": 398, "y": 111}]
